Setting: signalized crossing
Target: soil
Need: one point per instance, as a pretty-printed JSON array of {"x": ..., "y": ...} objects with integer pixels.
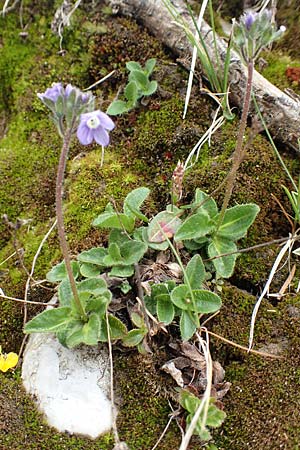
[{"x": 262, "y": 404}]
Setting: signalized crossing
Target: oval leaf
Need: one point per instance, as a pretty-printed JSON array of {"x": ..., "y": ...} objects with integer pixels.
[
  {"x": 49, "y": 321},
  {"x": 165, "y": 309},
  {"x": 134, "y": 201},
  {"x": 113, "y": 220},
  {"x": 59, "y": 272},
  {"x": 180, "y": 296},
  {"x": 237, "y": 220},
  {"x": 134, "y": 337},
  {"x": 187, "y": 325},
  {"x": 224, "y": 265},
  {"x": 93, "y": 256},
  {"x": 195, "y": 272},
  {"x": 163, "y": 225},
  {"x": 196, "y": 226},
  {"x": 206, "y": 301}
]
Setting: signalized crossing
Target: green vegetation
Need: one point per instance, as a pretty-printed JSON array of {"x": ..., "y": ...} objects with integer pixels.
[{"x": 261, "y": 407}]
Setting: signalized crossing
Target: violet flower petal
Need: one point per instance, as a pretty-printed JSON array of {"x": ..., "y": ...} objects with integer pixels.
[
  {"x": 106, "y": 121},
  {"x": 85, "y": 134},
  {"x": 101, "y": 136},
  {"x": 52, "y": 93}
]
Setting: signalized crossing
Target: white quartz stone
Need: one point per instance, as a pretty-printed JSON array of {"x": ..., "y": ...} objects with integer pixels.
[{"x": 70, "y": 386}]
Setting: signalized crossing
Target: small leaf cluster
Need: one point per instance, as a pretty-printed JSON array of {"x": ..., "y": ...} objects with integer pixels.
[
  {"x": 254, "y": 32},
  {"x": 196, "y": 226},
  {"x": 215, "y": 417},
  {"x": 186, "y": 300},
  {"x": 138, "y": 86},
  {"x": 201, "y": 231}
]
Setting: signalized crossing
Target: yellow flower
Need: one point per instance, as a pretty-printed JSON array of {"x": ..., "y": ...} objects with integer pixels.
[{"x": 7, "y": 361}]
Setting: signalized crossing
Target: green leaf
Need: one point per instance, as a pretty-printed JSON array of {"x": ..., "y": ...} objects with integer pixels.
[
  {"x": 117, "y": 328},
  {"x": 134, "y": 201},
  {"x": 75, "y": 324},
  {"x": 59, "y": 272},
  {"x": 140, "y": 78},
  {"x": 189, "y": 401},
  {"x": 98, "y": 304},
  {"x": 206, "y": 301},
  {"x": 215, "y": 416},
  {"x": 149, "y": 66},
  {"x": 237, "y": 220},
  {"x": 114, "y": 255},
  {"x": 93, "y": 256},
  {"x": 196, "y": 226},
  {"x": 118, "y": 107},
  {"x": 132, "y": 251},
  {"x": 90, "y": 270},
  {"x": 195, "y": 272},
  {"x": 187, "y": 325},
  {"x": 114, "y": 220},
  {"x": 192, "y": 245},
  {"x": 131, "y": 92},
  {"x": 95, "y": 286},
  {"x": 203, "y": 202},
  {"x": 165, "y": 309},
  {"x": 122, "y": 271},
  {"x": 88, "y": 334},
  {"x": 137, "y": 319},
  {"x": 156, "y": 246},
  {"x": 151, "y": 88},
  {"x": 117, "y": 236},
  {"x": 134, "y": 337},
  {"x": 133, "y": 65},
  {"x": 65, "y": 294},
  {"x": 50, "y": 321},
  {"x": 224, "y": 265},
  {"x": 162, "y": 288},
  {"x": 181, "y": 297},
  {"x": 163, "y": 225}
]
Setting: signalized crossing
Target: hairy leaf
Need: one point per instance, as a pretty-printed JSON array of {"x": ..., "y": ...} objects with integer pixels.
[
  {"x": 50, "y": 321},
  {"x": 114, "y": 220},
  {"x": 224, "y": 265},
  {"x": 195, "y": 272},
  {"x": 165, "y": 309},
  {"x": 187, "y": 325},
  {"x": 134, "y": 337},
  {"x": 237, "y": 220},
  {"x": 134, "y": 201},
  {"x": 195, "y": 226},
  {"x": 59, "y": 272},
  {"x": 163, "y": 225}
]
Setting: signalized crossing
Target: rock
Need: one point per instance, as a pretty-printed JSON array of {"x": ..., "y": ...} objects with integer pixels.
[{"x": 70, "y": 386}]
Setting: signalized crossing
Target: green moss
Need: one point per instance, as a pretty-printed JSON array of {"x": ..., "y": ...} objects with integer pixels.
[
  {"x": 143, "y": 413},
  {"x": 91, "y": 187},
  {"x": 275, "y": 70},
  {"x": 261, "y": 406}
]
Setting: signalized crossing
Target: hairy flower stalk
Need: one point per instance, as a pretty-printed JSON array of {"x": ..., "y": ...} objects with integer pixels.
[
  {"x": 251, "y": 34},
  {"x": 73, "y": 110},
  {"x": 240, "y": 149},
  {"x": 60, "y": 220}
]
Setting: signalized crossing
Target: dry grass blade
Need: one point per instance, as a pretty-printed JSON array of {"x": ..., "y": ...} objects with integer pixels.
[
  {"x": 287, "y": 247},
  {"x": 206, "y": 396},
  {"x": 194, "y": 59}
]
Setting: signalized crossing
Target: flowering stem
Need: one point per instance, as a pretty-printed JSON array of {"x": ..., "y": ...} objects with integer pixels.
[
  {"x": 60, "y": 221},
  {"x": 240, "y": 149}
]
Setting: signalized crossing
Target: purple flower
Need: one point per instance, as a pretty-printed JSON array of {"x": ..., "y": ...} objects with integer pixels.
[
  {"x": 94, "y": 125},
  {"x": 69, "y": 88},
  {"x": 52, "y": 93},
  {"x": 249, "y": 19}
]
